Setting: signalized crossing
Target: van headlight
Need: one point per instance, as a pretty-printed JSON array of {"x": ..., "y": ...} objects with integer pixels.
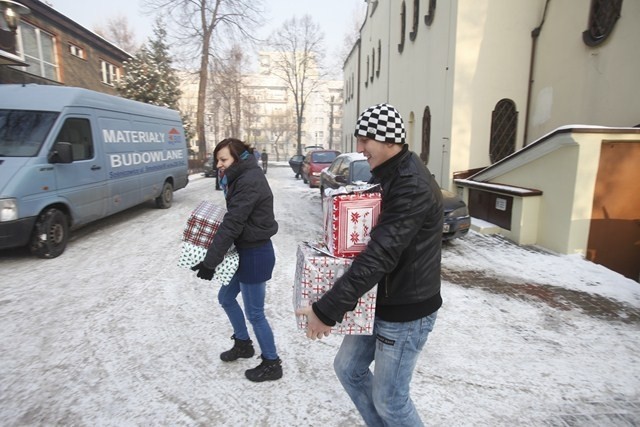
[{"x": 8, "y": 210}]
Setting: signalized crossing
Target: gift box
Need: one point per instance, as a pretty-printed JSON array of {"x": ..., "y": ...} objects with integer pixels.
[
  {"x": 316, "y": 272},
  {"x": 348, "y": 220},
  {"x": 197, "y": 236}
]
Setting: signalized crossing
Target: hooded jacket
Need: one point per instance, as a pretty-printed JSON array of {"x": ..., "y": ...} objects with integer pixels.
[
  {"x": 249, "y": 221},
  {"x": 403, "y": 255}
]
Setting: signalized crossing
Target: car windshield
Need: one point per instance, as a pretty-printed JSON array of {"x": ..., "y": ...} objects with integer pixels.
[
  {"x": 361, "y": 171},
  {"x": 23, "y": 132},
  {"x": 324, "y": 156}
]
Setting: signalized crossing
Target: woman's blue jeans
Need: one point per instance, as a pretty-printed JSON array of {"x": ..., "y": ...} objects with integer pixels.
[
  {"x": 253, "y": 295},
  {"x": 382, "y": 396}
]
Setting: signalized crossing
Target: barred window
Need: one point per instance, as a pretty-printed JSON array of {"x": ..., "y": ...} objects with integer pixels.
[
  {"x": 602, "y": 18},
  {"x": 504, "y": 123}
]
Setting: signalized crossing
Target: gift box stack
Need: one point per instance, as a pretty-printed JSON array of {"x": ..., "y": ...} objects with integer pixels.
[
  {"x": 198, "y": 234},
  {"x": 348, "y": 220}
]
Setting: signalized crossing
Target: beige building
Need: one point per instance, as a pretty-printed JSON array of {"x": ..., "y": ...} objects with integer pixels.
[
  {"x": 268, "y": 115},
  {"x": 519, "y": 106}
]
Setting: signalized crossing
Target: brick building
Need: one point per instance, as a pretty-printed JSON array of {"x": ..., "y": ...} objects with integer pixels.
[{"x": 57, "y": 51}]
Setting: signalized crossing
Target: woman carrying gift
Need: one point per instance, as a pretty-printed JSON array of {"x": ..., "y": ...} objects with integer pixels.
[{"x": 249, "y": 224}]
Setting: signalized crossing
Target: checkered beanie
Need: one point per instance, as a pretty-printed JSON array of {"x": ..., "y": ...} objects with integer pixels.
[{"x": 381, "y": 122}]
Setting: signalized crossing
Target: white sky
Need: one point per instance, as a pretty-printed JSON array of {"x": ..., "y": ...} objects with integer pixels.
[{"x": 335, "y": 17}]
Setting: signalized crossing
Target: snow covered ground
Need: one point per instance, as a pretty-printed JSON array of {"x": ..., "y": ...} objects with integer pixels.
[{"x": 113, "y": 333}]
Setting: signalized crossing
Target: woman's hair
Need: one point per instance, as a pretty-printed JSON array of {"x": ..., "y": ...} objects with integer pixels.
[{"x": 236, "y": 148}]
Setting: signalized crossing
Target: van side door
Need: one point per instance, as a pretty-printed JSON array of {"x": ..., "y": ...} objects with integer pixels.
[{"x": 83, "y": 181}]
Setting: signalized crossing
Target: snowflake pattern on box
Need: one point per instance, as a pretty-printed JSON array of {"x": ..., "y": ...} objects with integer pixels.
[
  {"x": 197, "y": 236},
  {"x": 315, "y": 274},
  {"x": 348, "y": 220}
]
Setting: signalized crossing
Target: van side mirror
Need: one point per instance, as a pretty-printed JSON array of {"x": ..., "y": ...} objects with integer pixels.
[{"x": 61, "y": 153}]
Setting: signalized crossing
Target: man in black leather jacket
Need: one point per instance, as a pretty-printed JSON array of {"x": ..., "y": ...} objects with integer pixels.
[{"x": 403, "y": 259}]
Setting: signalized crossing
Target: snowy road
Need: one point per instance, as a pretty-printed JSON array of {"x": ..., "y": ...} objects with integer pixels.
[{"x": 112, "y": 333}]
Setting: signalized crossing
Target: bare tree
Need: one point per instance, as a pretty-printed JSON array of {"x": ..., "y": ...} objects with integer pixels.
[
  {"x": 227, "y": 88},
  {"x": 279, "y": 128},
  {"x": 298, "y": 47},
  {"x": 198, "y": 21},
  {"x": 119, "y": 32}
]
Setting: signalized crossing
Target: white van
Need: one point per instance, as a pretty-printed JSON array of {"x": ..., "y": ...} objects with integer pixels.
[{"x": 69, "y": 156}]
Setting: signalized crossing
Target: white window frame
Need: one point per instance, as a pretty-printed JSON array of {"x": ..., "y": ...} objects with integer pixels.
[
  {"x": 39, "y": 67},
  {"x": 76, "y": 51},
  {"x": 109, "y": 73}
]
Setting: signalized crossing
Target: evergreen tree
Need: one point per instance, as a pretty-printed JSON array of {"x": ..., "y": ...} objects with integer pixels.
[{"x": 149, "y": 76}]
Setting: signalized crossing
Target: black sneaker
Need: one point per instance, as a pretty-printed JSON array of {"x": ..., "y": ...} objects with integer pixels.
[
  {"x": 268, "y": 370},
  {"x": 241, "y": 348}
]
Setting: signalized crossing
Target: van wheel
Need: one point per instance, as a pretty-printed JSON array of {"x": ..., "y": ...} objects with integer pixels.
[
  {"x": 50, "y": 234},
  {"x": 163, "y": 201}
]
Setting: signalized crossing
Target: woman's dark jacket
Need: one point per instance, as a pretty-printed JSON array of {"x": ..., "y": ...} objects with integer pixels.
[
  {"x": 249, "y": 221},
  {"x": 403, "y": 255}
]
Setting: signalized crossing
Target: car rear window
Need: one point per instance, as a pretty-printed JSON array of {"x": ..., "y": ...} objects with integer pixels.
[
  {"x": 324, "y": 157},
  {"x": 361, "y": 171}
]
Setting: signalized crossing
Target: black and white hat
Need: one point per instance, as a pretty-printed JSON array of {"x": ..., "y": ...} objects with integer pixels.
[{"x": 381, "y": 122}]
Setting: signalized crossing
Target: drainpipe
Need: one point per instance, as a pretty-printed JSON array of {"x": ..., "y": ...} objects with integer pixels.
[{"x": 534, "y": 43}]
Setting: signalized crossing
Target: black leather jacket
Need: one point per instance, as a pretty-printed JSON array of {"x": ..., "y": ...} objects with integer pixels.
[
  {"x": 249, "y": 221},
  {"x": 403, "y": 255}
]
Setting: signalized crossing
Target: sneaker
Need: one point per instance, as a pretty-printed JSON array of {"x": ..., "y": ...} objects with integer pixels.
[
  {"x": 241, "y": 348},
  {"x": 268, "y": 370}
]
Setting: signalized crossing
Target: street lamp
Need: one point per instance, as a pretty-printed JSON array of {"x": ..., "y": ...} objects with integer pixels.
[{"x": 10, "y": 12}]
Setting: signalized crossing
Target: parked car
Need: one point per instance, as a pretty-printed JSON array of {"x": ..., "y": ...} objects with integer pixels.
[
  {"x": 296, "y": 163},
  {"x": 351, "y": 168},
  {"x": 346, "y": 169},
  {"x": 211, "y": 170},
  {"x": 313, "y": 164}
]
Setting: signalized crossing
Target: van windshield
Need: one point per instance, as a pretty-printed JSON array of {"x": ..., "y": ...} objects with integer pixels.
[{"x": 23, "y": 132}]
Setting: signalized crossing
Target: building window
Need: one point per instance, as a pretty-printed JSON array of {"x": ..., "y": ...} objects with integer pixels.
[
  {"x": 504, "y": 123},
  {"x": 602, "y": 18},
  {"x": 403, "y": 25},
  {"x": 428, "y": 18},
  {"x": 379, "y": 57},
  {"x": 426, "y": 135},
  {"x": 109, "y": 73},
  {"x": 416, "y": 17},
  {"x": 38, "y": 50},
  {"x": 76, "y": 51}
]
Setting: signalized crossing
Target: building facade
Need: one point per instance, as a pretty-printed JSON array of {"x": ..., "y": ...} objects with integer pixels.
[
  {"x": 479, "y": 81},
  {"x": 56, "y": 50}
]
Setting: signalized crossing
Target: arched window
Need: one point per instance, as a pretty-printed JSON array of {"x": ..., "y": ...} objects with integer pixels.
[
  {"x": 416, "y": 17},
  {"x": 403, "y": 25},
  {"x": 428, "y": 18},
  {"x": 426, "y": 135},
  {"x": 379, "y": 57},
  {"x": 602, "y": 18},
  {"x": 373, "y": 61},
  {"x": 504, "y": 123}
]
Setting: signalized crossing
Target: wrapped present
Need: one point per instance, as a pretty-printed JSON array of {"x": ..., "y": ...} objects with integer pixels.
[
  {"x": 197, "y": 236},
  {"x": 203, "y": 224},
  {"x": 315, "y": 274},
  {"x": 348, "y": 220}
]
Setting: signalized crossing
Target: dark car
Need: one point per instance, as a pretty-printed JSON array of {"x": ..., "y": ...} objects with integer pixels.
[
  {"x": 313, "y": 164},
  {"x": 210, "y": 169},
  {"x": 346, "y": 169},
  {"x": 296, "y": 163},
  {"x": 351, "y": 168}
]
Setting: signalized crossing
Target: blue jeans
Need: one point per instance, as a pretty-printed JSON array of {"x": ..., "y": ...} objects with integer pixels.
[
  {"x": 253, "y": 297},
  {"x": 382, "y": 397}
]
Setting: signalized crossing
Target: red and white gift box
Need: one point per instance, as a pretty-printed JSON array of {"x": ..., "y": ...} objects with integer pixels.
[
  {"x": 198, "y": 234},
  {"x": 315, "y": 274},
  {"x": 348, "y": 220}
]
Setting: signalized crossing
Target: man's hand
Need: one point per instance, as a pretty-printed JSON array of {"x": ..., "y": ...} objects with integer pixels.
[
  {"x": 204, "y": 273},
  {"x": 315, "y": 328}
]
